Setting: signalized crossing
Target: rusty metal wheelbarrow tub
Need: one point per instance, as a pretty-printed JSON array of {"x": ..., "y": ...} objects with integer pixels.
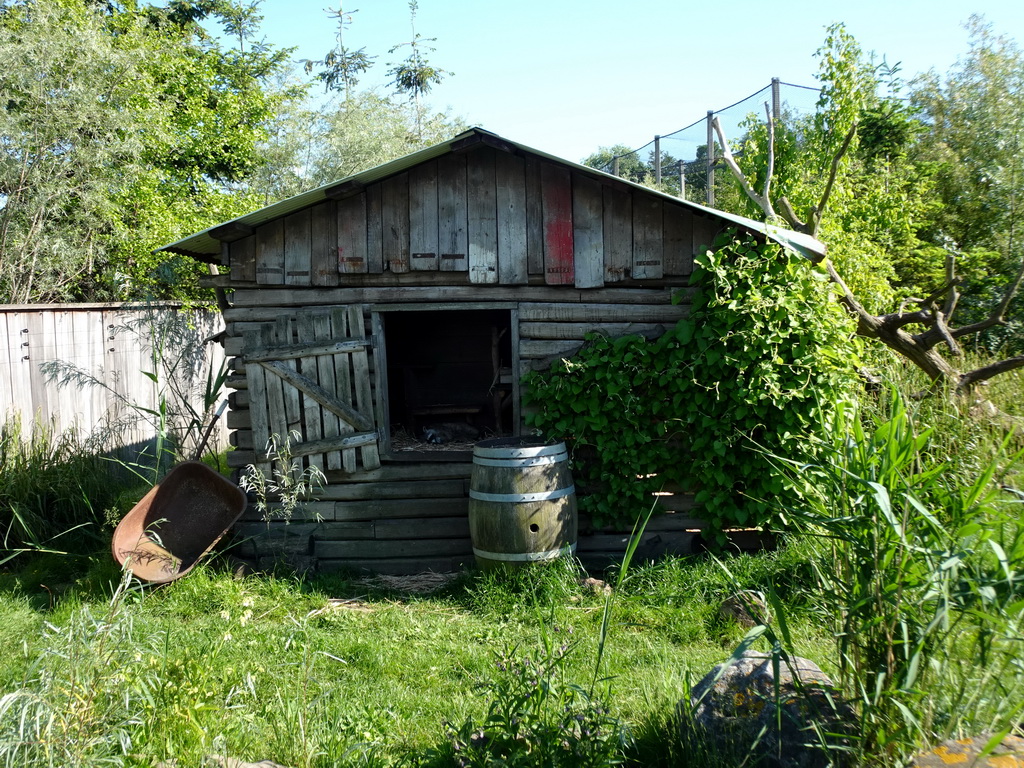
[{"x": 177, "y": 522}]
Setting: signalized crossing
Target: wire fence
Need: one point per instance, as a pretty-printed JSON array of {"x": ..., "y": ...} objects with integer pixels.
[{"x": 679, "y": 163}]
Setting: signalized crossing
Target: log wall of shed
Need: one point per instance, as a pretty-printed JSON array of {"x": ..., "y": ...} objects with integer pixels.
[
  {"x": 408, "y": 517},
  {"x": 569, "y": 252},
  {"x": 482, "y": 217}
]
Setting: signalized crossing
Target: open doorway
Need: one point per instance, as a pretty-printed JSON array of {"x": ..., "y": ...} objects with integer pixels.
[{"x": 450, "y": 378}]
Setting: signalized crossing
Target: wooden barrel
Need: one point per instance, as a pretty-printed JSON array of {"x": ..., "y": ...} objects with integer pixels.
[{"x": 522, "y": 502}]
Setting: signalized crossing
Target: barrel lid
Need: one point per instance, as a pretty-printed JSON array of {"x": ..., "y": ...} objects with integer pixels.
[{"x": 517, "y": 447}]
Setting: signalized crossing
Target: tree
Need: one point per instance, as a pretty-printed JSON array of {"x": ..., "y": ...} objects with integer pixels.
[
  {"x": 975, "y": 116},
  {"x": 310, "y": 146},
  {"x": 864, "y": 190},
  {"x": 122, "y": 128},
  {"x": 416, "y": 75},
  {"x": 629, "y": 165},
  {"x": 342, "y": 67}
]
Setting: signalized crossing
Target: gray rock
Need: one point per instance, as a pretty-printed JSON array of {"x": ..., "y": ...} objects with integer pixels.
[
  {"x": 1009, "y": 753},
  {"x": 733, "y": 714}
]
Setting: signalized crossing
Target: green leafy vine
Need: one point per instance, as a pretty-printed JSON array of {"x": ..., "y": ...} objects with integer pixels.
[{"x": 756, "y": 368}]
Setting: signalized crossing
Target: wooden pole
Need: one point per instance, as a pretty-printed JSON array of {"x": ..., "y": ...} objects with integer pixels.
[
  {"x": 710, "y": 196},
  {"x": 776, "y": 100},
  {"x": 615, "y": 166},
  {"x": 682, "y": 179},
  {"x": 657, "y": 159}
]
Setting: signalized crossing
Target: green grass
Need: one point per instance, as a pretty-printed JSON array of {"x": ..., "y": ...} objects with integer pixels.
[
  {"x": 333, "y": 671},
  {"x": 264, "y": 668}
]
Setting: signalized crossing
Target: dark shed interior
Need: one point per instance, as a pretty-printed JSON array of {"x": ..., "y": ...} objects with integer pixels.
[{"x": 449, "y": 375}]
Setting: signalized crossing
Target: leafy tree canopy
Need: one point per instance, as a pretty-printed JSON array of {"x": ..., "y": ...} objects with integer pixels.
[{"x": 123, "y": 127}]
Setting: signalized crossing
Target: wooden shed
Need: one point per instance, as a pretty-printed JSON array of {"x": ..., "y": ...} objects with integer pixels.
[{"x": 387, "y": 320}]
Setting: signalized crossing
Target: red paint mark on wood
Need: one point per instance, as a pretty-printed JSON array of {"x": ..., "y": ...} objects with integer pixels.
[{"x": 556, "y": 194}]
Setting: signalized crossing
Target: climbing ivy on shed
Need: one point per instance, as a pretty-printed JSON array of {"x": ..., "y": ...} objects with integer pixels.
[{"x": 756, "y": 368}]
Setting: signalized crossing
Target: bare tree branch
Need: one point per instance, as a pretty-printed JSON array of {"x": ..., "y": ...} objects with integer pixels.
[
  {"x": 791, "y": 218},
  {"x": 762, "y": 202},
  {"x": 988, "y": 371}
]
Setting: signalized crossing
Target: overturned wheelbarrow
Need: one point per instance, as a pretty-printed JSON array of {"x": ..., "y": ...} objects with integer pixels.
[{"x": 177, "y": 522}]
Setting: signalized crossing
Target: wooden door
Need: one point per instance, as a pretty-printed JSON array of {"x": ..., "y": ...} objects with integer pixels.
[{"x": 310, "y": 374}]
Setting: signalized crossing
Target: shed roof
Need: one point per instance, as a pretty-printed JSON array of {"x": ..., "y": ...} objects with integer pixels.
[{"x": 206, "y": 245}]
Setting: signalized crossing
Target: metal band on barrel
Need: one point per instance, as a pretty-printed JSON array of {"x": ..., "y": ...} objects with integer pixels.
[
  {"x": 518, "y": 452},
  {"x": 525, "y": 557},
  {"x": 534, "y": 461},
  {"x": 517, "y": 497}
]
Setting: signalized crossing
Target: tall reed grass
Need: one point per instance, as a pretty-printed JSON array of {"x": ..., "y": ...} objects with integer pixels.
[
  {"x": 51, "y": 484},
  {"x": 919, "y": 571}
]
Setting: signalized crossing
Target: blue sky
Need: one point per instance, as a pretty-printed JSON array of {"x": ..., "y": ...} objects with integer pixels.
[{"x": 568, "y": 76}]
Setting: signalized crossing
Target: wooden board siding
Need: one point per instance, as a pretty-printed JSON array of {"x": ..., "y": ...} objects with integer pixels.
[
  {"x": 493, "y": 217},
  {"x": 564, "y": 252}
]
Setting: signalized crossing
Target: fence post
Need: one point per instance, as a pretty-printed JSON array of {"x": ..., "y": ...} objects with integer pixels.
[
  {"x": 776, "y": 100},
  {"x": 615, "y": 166},
  {"x": 657, "y": 159},
  {"x": 682, "y": 180},
  {"x": 710, "y": 197}
]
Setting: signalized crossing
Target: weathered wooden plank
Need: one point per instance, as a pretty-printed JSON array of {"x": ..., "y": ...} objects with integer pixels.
[
  {"x": 280, "y": 298},
  {"x": 344, "y": 531},
  {"x": 298, "y": 248},
  {"x": 389, "y": 549},
  {"x": 307, "y": 510},
  {"x": 323, "y": 244},
  {"x": 395, "y": 222},
  {"x": 38, "y": 353},
  {"x": 71, "y": 401},
  {"x": 292, "y": 351},
  {"x": 311, "y": 408},
  {"x": 310, "y": 388},
  {"x": 482, "y": 225},
  {"x": 423, "y": 217},
  {"x": 362, "y": 385},
  {"x": 270, "y": 253},
  {"x": 352, "y": 234},
  {"x": 587, "y": 231},
  {"x": 326, "y": 376},
  {"x": 396, "y": 489},
  {"x": 412, "y": 471},
  {"x": 652, "y": 544},
  {"x": 556, "y": 196},
  {"x": 87, "y": 332},
  {"x": 532, "y": 350},
  {"x": 453, "y": 213},
  {"x": 705, "y": 229},
  {"x": 374, "y": 229},
  {"x": 648, "y": 250},
  {"x": 313, "y": 448},
  {"x": 19, "y": 365},
  {"x": 243, "y": 258},
  {"x": 260, "y": 396},
  {"x": 428, "y": 528},
  {"x": 534, "y": 217},
  {"x": 376, "y": 509},
  {"x": 578, "y": 331},
  {"x": 292, "y": 399},
  {"x": 594, "y": 312},
  {"x": 618, "y": 232},
  {"x": 510, "y": 197},
  {"x": 677, "y": 239}
]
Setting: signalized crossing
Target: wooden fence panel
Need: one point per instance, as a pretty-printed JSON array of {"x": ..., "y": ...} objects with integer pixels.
[{"x": 83, "y": 366}]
